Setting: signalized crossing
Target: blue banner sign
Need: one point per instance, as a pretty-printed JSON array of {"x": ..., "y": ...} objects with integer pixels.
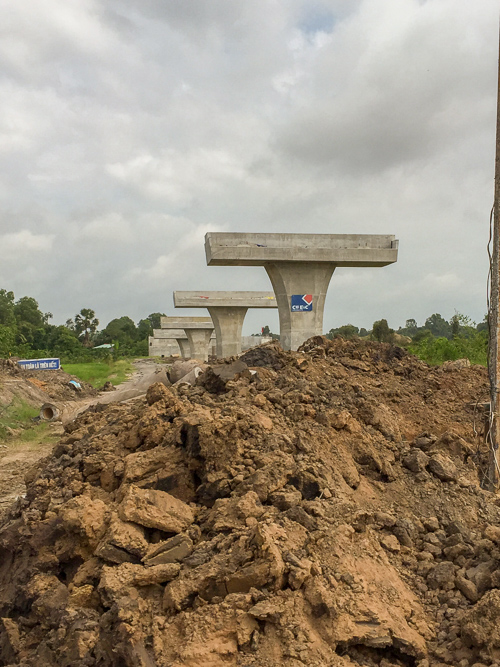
[
  {"x": 302, "y": 303},
  {"x": 40, "y": 364}
]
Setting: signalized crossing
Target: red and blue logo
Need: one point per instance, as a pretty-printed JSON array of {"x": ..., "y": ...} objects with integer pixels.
[{"x": 302, "y": 303}]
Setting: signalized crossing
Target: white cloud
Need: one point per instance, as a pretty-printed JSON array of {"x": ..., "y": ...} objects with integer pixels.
[{"x": 19, "y": 244}]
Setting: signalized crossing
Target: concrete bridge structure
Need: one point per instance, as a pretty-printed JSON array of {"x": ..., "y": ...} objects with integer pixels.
[
  {"x": 198, "y": 331},
  {"x": 300, "y": 267},
  {"x": 227, "y": 310}
]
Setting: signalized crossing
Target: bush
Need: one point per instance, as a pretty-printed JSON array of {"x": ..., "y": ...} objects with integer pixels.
[{"x": 438, "y": 350}]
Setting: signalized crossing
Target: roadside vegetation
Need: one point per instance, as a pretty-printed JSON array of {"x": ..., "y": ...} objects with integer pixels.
[{"x": 97, "y": 373}]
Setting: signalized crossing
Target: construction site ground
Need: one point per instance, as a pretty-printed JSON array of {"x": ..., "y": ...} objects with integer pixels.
[
  {"x": 321, "y": 507},
  {"x": 35, "y": 388}
]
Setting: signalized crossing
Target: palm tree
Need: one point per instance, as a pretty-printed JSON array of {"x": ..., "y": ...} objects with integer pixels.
[{"x": 86, "y": 323}]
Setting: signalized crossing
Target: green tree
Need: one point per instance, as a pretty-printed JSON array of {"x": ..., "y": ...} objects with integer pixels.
[
  {"x": 410, "y": 327},
  {"x": 62, "y": 342},
  {"x": 438, "y": 326},
  {"x": 345, "y": 331},
  {"x": 462, "y": 325},
  {"x": 146, "y": 326},
  {"x": 483, "y": 326},
  {"x": 155, "y": 320},
  {"x": 7, "y": 341},
  {"x": 120, "y": 329},
  {"x": 86, "y": 324},
  {"x": 26, "y": 310},
  {"x": 7, "y": 316},
  {"x": 382, "y": 332}
]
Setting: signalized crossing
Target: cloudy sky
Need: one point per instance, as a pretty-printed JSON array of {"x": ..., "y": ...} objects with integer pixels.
[{"x": 128, "y": 129}]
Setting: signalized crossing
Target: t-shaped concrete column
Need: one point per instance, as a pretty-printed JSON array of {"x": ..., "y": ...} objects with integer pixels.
[
  {"x": 300, "y": 267},
  {"x": 198, "y": 330},
  {"x": 227, "y": 310}
]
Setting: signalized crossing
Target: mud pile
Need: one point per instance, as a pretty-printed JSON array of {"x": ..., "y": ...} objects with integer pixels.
[{"x": 322, "y": 509}]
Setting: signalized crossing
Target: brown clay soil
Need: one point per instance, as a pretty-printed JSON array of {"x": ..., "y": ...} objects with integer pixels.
[{"x": 325, "y": 510}]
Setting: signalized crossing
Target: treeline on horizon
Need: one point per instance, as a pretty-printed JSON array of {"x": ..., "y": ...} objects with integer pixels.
[{"x": 25, "y": 332}]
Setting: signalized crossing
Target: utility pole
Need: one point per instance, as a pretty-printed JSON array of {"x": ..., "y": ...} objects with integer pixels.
[{"x": 494, "y": 322}]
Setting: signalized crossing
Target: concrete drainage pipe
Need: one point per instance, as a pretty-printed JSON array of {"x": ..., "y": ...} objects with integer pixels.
[
  {"x": 190, "y": 378},
  {"x": 49, "y": 413}
]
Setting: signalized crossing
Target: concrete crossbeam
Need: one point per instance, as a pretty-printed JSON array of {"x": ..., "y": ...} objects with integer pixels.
[
  {"x": 169, "y": 322},
  {"x": 169, "y": 333},
  {"x": 227, "y": 310},
  {"x": 224, "y": 299},
  {"x": 172, "y": 333},
  {"x": 300, "y": 267},
  {"x": 240, "y": 249}
]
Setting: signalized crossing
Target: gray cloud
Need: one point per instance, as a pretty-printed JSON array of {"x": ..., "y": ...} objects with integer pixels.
[{"x": 129, "y": 129}]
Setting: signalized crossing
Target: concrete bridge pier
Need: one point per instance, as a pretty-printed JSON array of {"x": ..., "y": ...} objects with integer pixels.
[
  {"x": 228, "y": 323},
  {"x": 199, "y": 340},
  {"x": 299, "y": 278},
  {"x": 300, "y": 267}
]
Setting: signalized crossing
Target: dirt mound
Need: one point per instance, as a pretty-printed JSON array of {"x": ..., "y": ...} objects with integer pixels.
[
  {"x": 59, "y": 385},
  {"x": 328, "y": 512},
  {"x": 38, "y": 387}
]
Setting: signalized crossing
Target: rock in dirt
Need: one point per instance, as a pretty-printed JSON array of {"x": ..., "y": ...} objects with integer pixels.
[
  {"x": 416, "y": 461},
  {"x": 155, "y": 509},
  {"x": 444, "y": 468}
]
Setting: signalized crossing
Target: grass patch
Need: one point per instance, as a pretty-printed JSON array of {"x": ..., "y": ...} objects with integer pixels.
[
  {"x": 32, "y": 437},
  {"x": 99, "y": 372},
  {"x": 16, "y": 415}
]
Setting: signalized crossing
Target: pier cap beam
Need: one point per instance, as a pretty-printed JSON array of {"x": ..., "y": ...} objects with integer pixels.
[
  {"x": 300, "y": 267},
  {"x": 198, "y": 331},
  {"x": 227, "y": 310}
]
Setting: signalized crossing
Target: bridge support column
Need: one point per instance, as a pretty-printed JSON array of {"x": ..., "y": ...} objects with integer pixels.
[
  {"x": 199, "y": 340},
  {"x": 228, "y": 323},
  {"x": 296, "y": 279}
]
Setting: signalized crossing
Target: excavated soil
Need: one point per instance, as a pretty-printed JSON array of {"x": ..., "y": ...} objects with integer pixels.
[
  {"x": 324, "y": 509},
  {"x": 38, "y": 387}
]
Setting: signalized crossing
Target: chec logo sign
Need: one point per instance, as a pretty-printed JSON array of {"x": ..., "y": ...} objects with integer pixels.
[{"x": 302, "y": 303}]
